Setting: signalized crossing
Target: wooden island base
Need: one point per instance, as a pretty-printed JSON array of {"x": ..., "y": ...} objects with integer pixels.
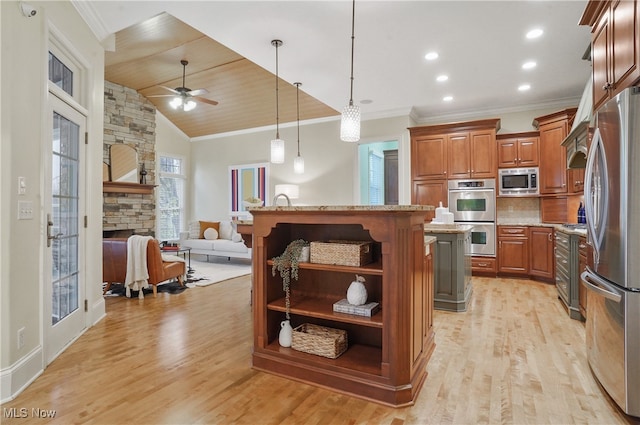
[{"x": 387, "y": 353}]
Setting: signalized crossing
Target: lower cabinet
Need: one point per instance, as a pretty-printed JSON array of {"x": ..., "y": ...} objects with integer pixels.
[
  {"x": 513, "y": 250},
  {"x": 452, "y": 271},
  {"x": 567, "y": 276},
  {"x": 484, "y": 265},
  {"x": 526, "y": 251},
  {"x": 582, "y": 265},
  {"x": 541, "y": 261},
  {"x": 386, "y": 354}
]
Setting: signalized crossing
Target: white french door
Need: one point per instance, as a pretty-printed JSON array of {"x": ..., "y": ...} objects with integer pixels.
[{"x": 64, "y": 278}]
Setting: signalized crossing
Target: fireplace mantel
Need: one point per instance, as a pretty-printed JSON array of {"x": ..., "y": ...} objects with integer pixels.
[{"x": 126, "y": 187}]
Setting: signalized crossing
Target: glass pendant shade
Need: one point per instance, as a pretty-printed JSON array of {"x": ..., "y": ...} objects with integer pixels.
[
  {"x": 298, "y": 165},
  {"x": 180, "y": 103},
  {"x": 189, "y": 105},
  {"x": 350, "y": 124},
  {"x": 176, "y": 102},
  {"x": 277, "y": 151}
]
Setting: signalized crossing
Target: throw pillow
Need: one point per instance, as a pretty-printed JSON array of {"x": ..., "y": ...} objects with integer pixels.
[
  {"x": 211, "y": 233},
  {"x": 225, "y": 230},
  {"x": 194, "y": 230},
  {"x": 204, "y": 225},
  {"x": 237, "y": 237}
]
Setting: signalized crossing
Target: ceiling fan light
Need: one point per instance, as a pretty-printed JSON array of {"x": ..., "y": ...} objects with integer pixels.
[
  {"x": 189, "y": 105},
  {"x": 176, "y": 102},
  {"x": 298, "y": 165},
  {"x": 350, "y": 123},
  {"x": 277, "y": 151}
]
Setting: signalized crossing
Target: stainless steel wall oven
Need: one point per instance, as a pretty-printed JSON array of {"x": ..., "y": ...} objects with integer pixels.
[{"x": 473, "y": 202}]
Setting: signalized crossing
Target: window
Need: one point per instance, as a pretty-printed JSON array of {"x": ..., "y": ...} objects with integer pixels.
[
  {"x": 171, "y": 198},
  {"x": 376, "y": 179},
  {"x": 60, "y": 74}
]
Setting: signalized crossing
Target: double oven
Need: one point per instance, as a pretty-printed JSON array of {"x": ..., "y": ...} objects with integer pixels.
[{"x": 473, "y": 202}]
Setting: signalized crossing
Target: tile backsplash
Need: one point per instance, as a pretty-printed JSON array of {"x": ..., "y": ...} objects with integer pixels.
[{"x": 517, "y": 210}]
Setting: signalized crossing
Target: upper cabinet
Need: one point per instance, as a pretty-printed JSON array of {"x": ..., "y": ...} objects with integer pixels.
[
  {"x": 454, "y": 151},
  {"x": 615, "y": 46},
  {"x": 553, "y": 156},
  {"x": 518, "y": 150}
]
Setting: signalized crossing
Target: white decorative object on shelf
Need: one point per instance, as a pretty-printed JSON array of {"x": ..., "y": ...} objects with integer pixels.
[
  {"x": 286, "y": 334},
  {"x": 357, "y": 292},
  {"x": 443, "y": 216}
]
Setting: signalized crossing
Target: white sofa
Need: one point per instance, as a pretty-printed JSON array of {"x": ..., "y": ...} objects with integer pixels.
[{"x": 228, "y": 242}]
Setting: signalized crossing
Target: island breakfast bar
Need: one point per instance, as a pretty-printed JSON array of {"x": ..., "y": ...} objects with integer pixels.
[{"x": 387, "y": 353}]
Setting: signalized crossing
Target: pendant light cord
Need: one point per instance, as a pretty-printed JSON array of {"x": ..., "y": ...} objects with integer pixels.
[
  {"x": 298, "y": 112},
  {"x": 353, "y": 23},
  {"x": 277, "y": 43}
]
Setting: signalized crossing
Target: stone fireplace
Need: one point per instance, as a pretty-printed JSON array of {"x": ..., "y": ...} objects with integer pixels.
[{"x": 129, "y": 118}]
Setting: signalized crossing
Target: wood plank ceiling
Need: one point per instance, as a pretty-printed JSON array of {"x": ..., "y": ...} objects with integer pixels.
[{"x": 148, "y": 56}]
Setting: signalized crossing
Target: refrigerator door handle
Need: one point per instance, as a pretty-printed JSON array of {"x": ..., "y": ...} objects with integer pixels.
[{"x": 599, "y": 286}]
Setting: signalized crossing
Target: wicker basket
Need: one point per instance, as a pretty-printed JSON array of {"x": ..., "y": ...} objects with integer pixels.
[
  {"x": 318, "y": 340},
  {"x": 343, "y": 253}
]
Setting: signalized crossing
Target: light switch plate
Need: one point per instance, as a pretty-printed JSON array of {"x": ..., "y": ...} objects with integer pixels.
[
  {"x": 25, "y": 210},
  {"x": 22, "y": 185}
]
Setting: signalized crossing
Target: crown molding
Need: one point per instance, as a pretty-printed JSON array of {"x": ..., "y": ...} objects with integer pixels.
[{"x": 97, "y": 25}]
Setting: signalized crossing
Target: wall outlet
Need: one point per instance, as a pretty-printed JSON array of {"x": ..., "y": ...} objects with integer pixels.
[{"x": 20, "y": 338}]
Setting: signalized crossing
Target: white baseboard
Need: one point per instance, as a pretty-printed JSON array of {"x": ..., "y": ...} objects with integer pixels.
[{"x": 14, "y": 379}]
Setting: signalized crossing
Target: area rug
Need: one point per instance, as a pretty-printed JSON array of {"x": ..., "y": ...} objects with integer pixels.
[
  {"x": 173, "y": 287},
  {"x": 217, "y": 269}
]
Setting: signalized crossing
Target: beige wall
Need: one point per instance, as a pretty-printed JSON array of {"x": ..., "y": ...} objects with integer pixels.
[
  {"x": 23, "y": 124},
  {"x": 171, "y": 140},
  {"x": 330, "y": 164}
]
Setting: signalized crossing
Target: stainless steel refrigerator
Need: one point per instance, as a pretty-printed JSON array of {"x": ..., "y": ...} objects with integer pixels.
[{"x": 612, "y": 277}]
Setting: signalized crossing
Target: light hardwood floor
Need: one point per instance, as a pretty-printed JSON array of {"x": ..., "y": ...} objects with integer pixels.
[{"x": 514, "y": 358}]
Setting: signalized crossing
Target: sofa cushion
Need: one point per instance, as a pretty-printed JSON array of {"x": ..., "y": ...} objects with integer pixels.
[
  {"x": 201, "y": 244},
  {"x": 225, "y": 245},
  {"x": 194, "y": 230},
  {"x": 204, "y": 225},
  {"x": 211, "y": 233},
  {"x": 225, "y": 230}
]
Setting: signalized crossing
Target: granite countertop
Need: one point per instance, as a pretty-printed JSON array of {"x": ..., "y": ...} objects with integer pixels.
[
  {"x": 447, "y": 228},
  {"x": 408, "y": 208},
  {"x": 556, "y": 226}
]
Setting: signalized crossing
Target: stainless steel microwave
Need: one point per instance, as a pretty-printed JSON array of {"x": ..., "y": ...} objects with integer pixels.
[{"x": 518, "y": 182}]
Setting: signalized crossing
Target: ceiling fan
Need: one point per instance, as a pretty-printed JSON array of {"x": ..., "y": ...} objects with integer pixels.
[{"x": 184, "y": 97}]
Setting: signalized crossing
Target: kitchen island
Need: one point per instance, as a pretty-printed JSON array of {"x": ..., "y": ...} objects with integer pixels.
[
  {"x": 387, "y": 353},
  {"x": 452, "y": 265}
]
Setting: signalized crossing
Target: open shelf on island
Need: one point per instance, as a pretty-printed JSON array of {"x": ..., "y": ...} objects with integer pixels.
[
  {"x": 372, "y": 268},
  {"x": 358, "y": 357},
  {"x": 322, "y": 308}
]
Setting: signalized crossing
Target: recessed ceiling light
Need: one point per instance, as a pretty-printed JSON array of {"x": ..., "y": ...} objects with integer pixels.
[
  {"x": 529, "y": 65},
  {"x": 524, "y": 87},
  {"x": 447, "y": 98},
  {"x": 431, "y": 56},
  {"x": 442, "y": 78},
  {"x": 534, "y": 33}
]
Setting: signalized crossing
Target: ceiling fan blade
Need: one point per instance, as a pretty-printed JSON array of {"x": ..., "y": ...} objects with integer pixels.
[
  {"x": 162, "y": 95},
  {"x": 204, "y": 100},
  {"x": 170, "y": 89},
  {"x": 197, "y": 92}
]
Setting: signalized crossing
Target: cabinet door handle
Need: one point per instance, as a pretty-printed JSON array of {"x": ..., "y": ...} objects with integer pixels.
[{"x": 482, "y": 264}]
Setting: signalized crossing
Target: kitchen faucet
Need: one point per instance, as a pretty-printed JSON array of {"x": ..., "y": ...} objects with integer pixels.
[{"x": 275, "y": 199}]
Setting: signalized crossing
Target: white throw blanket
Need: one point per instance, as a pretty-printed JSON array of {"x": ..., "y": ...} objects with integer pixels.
[{"x": 137, "y": 277}]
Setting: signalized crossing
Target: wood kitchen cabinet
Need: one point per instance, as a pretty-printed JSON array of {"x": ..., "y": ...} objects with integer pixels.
[
  {"x": 430, "y": 192},
  {"x": 454, "y": 151},
  {"x": 541, "y": 259},
  {"x": 615, "y": 46},
  {"x": 387, "y": 353},
  {"x": 518, "y": 150},
  {"x": 513, "y": 250},
  {"x": 554, "y": 128}
]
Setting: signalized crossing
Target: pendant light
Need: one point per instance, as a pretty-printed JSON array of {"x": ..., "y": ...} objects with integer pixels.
[
  {"x": 298, "y": 163},
  {"x": 277, "y": 144},
  {"x": 350, "y": 123}
]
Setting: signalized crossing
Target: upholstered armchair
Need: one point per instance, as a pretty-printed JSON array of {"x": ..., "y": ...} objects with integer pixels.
[{"x": 114, "y": 264}]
